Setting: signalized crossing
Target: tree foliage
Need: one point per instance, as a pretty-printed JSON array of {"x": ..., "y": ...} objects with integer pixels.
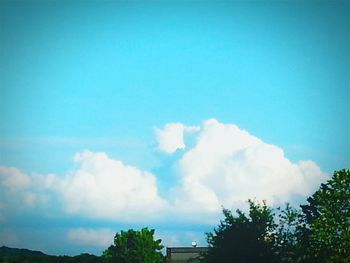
[
  {"x": 318, "y": 233},
  {"x": 286, "y": 240},
  {"x": 327, "y": 217},
  {"x": 242, "y": 238},
  {"x": 134, "y": 246}
]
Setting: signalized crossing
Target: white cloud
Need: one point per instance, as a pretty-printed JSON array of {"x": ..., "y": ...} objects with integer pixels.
[
  {"x": 20, "y": 190},
  {"x": 102, "y": 237},
  {"x": 100, "y": 187},
  {"x": 105, "y": 188},
  {"x": 225, "y": 167},
  {"x": 171, "y": 137},
  {"x": 228, "y": 165},
  {"x": 12, "y": 178}
]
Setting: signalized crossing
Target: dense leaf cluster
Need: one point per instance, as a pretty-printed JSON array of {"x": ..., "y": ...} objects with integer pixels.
[
  {"x": 135, "y": 246},
  {"x": 243, "y": 238},
  {"x": 327, "y": 217},
  {"x": 318, "y": 233}
]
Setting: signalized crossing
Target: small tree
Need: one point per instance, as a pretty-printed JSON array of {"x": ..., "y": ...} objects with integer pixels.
[
  {"x": 134, "y": 247},
  {"x": 243, "y": 238}
]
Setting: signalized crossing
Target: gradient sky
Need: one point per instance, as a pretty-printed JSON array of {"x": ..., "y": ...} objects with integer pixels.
[{"x": 149, "y": 90}]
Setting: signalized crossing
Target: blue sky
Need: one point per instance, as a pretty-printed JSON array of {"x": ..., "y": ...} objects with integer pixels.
[{"x": 145, "y": 93}]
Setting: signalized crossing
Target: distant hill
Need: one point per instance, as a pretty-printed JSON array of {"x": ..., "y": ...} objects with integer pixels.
[
  {"x": 9, "y": 252},
  {"x": 16, "y": 255}
]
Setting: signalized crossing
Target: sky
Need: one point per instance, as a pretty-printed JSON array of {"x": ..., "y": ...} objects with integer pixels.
[{"x": 124, "y": 114}]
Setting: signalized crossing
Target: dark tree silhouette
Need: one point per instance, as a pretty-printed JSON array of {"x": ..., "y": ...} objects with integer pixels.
[{"x": 243, "y": 238}]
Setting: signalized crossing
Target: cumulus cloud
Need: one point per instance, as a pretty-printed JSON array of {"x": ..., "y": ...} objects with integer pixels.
[
  {"x": 102, "y": 237},
  {"x": 224, "y": 167},
  {"x": 220, "y": 165},
  {"x": 102, "y": 187},
  {"x": 171, "y": 137},
  {"x": 228, "y": 165}
]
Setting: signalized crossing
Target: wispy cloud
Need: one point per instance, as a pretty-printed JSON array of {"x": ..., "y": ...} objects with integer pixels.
[
  {"x": 102, "y": 237},
  {"x": 18, "y": 142},
  {"x": 19, "y": 190}
]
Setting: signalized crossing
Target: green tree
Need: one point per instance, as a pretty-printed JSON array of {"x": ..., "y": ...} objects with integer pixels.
[
  {"x": 134, "y": 247},
  {"x": 291, "y": 236},
  {"x": 243, "y": 238},
  {"x": 327, "y": 217}
]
